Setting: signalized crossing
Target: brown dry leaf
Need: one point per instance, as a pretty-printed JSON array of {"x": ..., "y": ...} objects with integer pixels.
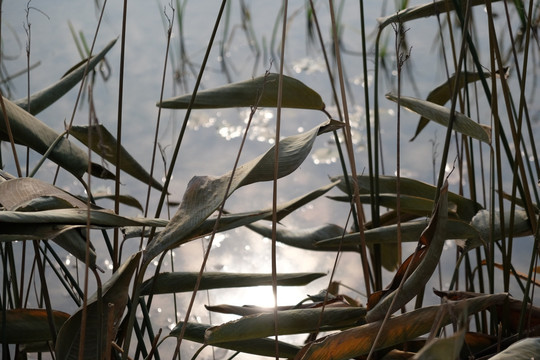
[{"x": 518, "y": 273}]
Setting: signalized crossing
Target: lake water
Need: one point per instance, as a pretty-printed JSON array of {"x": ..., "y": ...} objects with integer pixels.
[{"x": 213, "y": 137}]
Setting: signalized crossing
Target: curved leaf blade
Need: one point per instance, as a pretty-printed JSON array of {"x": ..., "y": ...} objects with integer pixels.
[
  {"x": 441, "y": 115},
  {"x": 443, "y": 93},
  {"x": 290, "y": 322},
  {"x": 104, "y": 144},
  {"x": 41, "y": 100},
  {"x": 168, "y": 283},
  {"x": 261, "y": 91},
  {"x": 420, "y": 11},
  {"x": 466, "y": 208},
  {"x": 204, "y": 194},
  {"x": 29, "y": 131}
]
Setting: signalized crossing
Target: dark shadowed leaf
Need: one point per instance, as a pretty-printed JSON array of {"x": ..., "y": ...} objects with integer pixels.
[
  {"x": 305, "y": 238},
  {"x": 441, "y": 115},
  {"x": 124, "y": 199},
  {"x": 290, "y": 322},
  {"x": 166, "y": 283},
  {"x": 204, "y": 194},
  {"x": 29, "y": 131},
  {"x": 25, "y": 326},
  {"x": 231, "y": 221},
  {"x": 104, "y": 144},
  {"x": 261, "y": 91},
  {"x": 100, "y": 312},
  {"x": 359, "y": 340},
  {"x": 420, "y": 11},
  {"x": 410, "y": 232},
  {"x": 46, "y": 97},
  {"x": 263, "y": 347},
  {"x": 509, "y": 312},
  {"x": 466, "y": 208}
]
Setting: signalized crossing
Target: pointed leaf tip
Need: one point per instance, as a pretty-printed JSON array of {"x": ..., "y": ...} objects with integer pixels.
[{"x": 261, "y": 92}]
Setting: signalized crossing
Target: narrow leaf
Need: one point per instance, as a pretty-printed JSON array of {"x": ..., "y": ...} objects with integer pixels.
[
  {"x": 261, "y": 91},
  {"x": 104, "y": 144},
  {"x": 420, "y": 11},
  {"x": 48, "y": 96},
  {"x": 304, "y": 238},
  {"x": 168, "y": 283},
  {"x": 443, "y": 93},
  {"x": 290, "y": 322},
  {"x": 262, "y": 347},
  {"x": 29, "y": 131},
  {"x": 441, "y": 115},
  {"x": 124, "y": 199},
  {"x": 410, "y": 232},
  {"x": 466, "y": 208}
]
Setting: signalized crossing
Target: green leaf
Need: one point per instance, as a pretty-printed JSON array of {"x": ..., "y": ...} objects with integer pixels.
[
  {"x": 100, "y": 313},
  {"x": 525, "y": 349},
  {"x": 46, "y": 97},
  {"x": 443, "y": 93},
  {"x": 261, "y": 92},
  {"x": 104, "y": 144},
  {"x": 168, "y": 283},
  {"x": 359, "y": 340},
  {"x": 25, "y": 326},
  {"x": 262, "y": 347},
  {"x": 204, "y": 194},
  {"x": 441, "y": 115},
  {"x": 295, "y": 321}
]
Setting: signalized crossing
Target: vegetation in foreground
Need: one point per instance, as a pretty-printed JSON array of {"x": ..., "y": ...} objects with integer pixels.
[{"x": 39, "y": 220}]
